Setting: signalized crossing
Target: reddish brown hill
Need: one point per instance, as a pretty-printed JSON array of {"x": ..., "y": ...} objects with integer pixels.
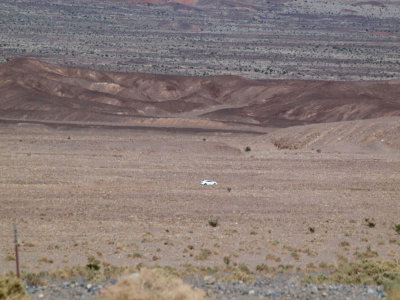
[{"x": 33, "y": 90}]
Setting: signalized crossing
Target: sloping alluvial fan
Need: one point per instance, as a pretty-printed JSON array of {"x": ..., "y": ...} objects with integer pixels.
[{"x": 34, "y": 90}]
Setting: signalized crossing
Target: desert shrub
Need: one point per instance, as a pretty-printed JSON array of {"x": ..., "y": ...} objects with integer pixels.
[
  {"x": 151, "y": 285},
  {"x": 203, "y": 255},
  {"x": 262, "y": 268},
  {"x": 370, "y": 222},
  {"x": 272, "y": 257},
  {"x": 45, "y": 260},
  {"x": 295, "y": 255},
  {"x": 111, "y": 271},
  {"x": 213, "y": 222},
  {"x": 94, "y": 275},
  {"x": 93, "y": 260},
  {"x": 344, "y": 244},
  {"x": 11, "y": 289},
  {"x": 244, "y": 268},
  {"x": 247, "y": 149},
  {"x": 396, "y": 228},
  {"x": 284, "y": 143},
  {"x": 9, "y": 258},
  {"x": 369, "y": 253},
  {"x": 366, "y": 272},
  {"x": 227, "y": 260},
  {"x": 135, "y": 255},
  {"x": 33, "y": 279},
  {"x": 94, "y": 267},
  {"x": 238, "y": 275}
]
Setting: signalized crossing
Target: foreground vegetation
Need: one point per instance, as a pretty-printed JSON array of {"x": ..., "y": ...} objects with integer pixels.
[
  {"x": 158, "y": 282},
  {"x": 365, "y": 272},
  {"x": 11, "y": 289}
]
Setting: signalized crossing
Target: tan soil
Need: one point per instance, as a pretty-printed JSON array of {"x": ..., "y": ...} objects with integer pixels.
[{"x": 120, "y": 192}]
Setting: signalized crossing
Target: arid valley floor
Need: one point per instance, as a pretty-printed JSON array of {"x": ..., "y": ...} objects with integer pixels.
[
  {"x": 132, "y": 196},
  {"x": 109, "y": 165}
]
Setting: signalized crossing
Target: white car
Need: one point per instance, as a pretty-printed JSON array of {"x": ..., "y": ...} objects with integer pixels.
[{"x": 208, "y": 182}]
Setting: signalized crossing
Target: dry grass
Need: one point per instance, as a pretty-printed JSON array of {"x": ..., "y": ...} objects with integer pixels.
[
  {"x": 238, "y": 275},
  {"x": 33, "y": 279},
  {"x": 45, "y": 260},
  {"x": 9, "y": 258},
  {"x": 284, "y": 143},
  {"x": 393, "y": 290},
  {"x": 203, "y": 255},
  {"x": 11, "y": 289},
  {"x": 154, "y": 284},
  {"x": 273, "y": 257},
  {"x": 366, "y": 272}
]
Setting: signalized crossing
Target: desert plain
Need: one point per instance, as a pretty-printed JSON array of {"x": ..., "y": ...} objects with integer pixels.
[
  {"x": 134, "y": 196},
  {"x": 292, "y": 191}
]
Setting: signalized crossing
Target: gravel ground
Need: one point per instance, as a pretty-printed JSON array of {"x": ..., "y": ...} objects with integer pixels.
[{"x": 269, "y": 288}]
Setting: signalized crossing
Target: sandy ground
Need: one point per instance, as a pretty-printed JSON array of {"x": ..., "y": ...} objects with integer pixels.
[{"x": 121, "y": 194}]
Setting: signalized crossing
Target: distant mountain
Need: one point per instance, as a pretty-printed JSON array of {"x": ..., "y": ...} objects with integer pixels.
[{"x": 183, "y": 2}]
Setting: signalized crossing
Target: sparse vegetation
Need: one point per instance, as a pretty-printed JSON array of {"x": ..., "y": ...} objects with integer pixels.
[
  {"x": 367, "y": 254},
  {"x": 11, "y": 289},
  {"x": 273, "y": 257},
  {"x": 9, "y": 258},
  {"x": 344, "y": 244},
  {"x": 323, "y": 265},
  {"x": 238, "y": 275},
  {"x": 45, "y": 260},
  {"x": 135, "y": 255},
  {"x": 93, "y": 260},
  {"x": 262, "y": 268},
  {"x": 33, "y": 279},
  {"x": 284, "y": 143},
  {"x": 203, "y": 255},
  {"x": 365, "y": 272},
  {"x": 247, "y": 149},
  {"x": 152, "y": 284},
  {"x": 227, "y": 260},
  {"x": 244, "y": 268},
  {"x": 370, "y": 222},
  {"x": 93, "y": 267},
  {"x": 213, "y": 222},
  {"x": 295, "y": 255},
  {"x": 396, "y": 228}
]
